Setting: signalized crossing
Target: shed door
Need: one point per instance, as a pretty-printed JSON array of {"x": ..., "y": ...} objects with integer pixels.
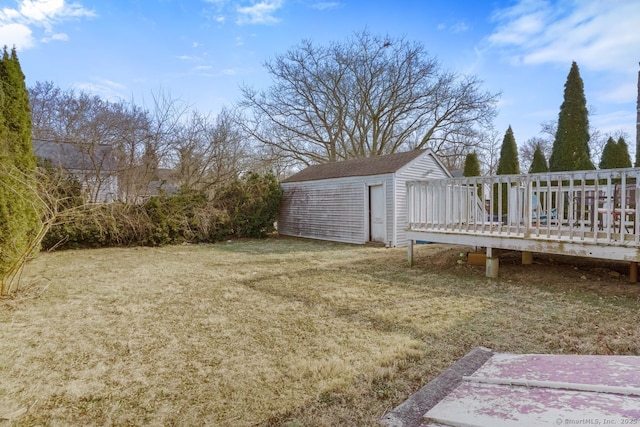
[{"x": 377, "y": 209}]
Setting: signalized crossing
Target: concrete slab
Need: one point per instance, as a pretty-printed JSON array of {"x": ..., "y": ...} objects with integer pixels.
[
  {"x": 497, "y": 389},
  {"x": 410, "y": 413}
]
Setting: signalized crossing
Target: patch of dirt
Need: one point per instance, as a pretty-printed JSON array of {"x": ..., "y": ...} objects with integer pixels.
[{"x": 604, "y": 277}]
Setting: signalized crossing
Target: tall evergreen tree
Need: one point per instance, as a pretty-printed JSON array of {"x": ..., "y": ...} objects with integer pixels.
[
  {"x": 19, "y": 220},
  {"x": 615, "y": 154},
  {"x": 539, "y": 163},
  {"x": 608, "y": 157},
  {"x": 623, "y": 150},
  {"x": 508, "y": 162},
  {"x": 571, "y": 145},
  {"x": 472, "y": 165}
]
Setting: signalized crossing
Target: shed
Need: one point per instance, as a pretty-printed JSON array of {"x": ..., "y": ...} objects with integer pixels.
[{"x": 355, "y": 201}]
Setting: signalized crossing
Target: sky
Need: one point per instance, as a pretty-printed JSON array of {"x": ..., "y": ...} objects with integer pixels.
[{"x": 202, "y": 51}]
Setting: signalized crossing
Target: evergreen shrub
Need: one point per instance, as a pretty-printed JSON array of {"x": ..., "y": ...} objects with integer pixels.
[{"x": 245, "y": 207}]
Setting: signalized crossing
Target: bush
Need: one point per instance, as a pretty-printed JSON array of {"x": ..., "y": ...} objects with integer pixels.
[
  {"x": 245, "y": 207},
  {"x": 252, "y": 204},
  {"x": 172, "y": 218}
]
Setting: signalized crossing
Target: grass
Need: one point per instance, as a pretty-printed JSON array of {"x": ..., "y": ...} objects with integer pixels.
[{"x": 279, "y": 331}]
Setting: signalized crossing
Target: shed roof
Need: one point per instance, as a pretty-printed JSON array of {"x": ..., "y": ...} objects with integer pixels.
[
  {"x": 377, "y": 165},
  {"x": 76, "y": 156}
]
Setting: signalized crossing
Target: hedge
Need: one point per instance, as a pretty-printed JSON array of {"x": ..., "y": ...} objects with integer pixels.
[{"x": 246, "y": 207}]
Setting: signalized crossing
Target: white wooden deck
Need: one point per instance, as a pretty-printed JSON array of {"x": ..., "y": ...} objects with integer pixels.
[{"x": 584, "y": 213}]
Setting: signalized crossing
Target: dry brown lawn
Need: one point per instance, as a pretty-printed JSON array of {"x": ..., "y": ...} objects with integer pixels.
[{"x": 281, "y": 331}]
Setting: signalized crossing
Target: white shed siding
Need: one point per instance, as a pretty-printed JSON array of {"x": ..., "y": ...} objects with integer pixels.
[
  {"x": 336, "y": 207},
  {"x": 331, "y": 209},
  {"x": 390, "y": 212},
  {"x": 424, "y": 167}
]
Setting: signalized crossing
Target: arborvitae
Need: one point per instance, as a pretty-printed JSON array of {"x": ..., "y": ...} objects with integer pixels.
[
  {"x": 539, "y": 163},
  {"x": 615, "y": 154},
  {"x": 571, "y": 145},
  {"x": 608, "y": 157},
  {"x": 16, "y": 111},
  {"x": 623, "y": 153},
  {"x": 507, "y": 164},
  {"x": 19, "y": 219},
  {"x": 471, "y": 165}
]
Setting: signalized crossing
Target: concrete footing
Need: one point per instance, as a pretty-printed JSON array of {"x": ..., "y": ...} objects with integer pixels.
[{"x": 493, "y": 263}]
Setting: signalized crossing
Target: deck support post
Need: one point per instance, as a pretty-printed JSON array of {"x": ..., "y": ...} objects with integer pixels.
[
  {"x": 527, "y": 258},
  {"x": 410, "y": 252},
  {"x": 633, "y": 271},
  {"x": 493, "y": 264}
]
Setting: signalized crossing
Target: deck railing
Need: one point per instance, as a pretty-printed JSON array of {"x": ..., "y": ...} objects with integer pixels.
[{"x": 588, "y": 206}]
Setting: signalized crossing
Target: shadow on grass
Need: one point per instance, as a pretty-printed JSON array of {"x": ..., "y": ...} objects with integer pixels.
[{"x": 281, "y": 245}]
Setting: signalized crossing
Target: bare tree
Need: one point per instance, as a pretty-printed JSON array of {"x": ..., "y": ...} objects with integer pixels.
[
  {"x": 367, "y": 96},
  {"x": 142, "y": 146},
  {"x": 100, "y": 141},
  {"x": 488, "y": 151},
  {"x": 209, "y": 151},
  {"x": 114, "y": 140},
  {"x": 529, "y": 147}
]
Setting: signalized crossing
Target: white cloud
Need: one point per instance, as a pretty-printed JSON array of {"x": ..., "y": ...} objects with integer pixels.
[
  {"x": 259, "y": 13},
  {"x": 619, "y": 93},
  {"x": 325, "y": 5},
  {"x": 614, "y": 121},
  {"x": 18, "y": 35},
  {"x": 108, "y": 89},
  {"x": 17, "y": 25},
  {"x": 458, "y": 27},
  {"x": 57, "y": 36},
  {"x": 599, "y": 35}
]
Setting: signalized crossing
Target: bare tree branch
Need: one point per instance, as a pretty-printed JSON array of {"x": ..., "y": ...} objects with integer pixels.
[{"x": 367, "y": 96}]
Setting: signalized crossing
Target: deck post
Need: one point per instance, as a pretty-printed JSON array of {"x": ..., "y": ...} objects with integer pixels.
[
  {"x": 410, "y": 252},
  {"x": 527, "y": 258},
  {"x": 493, "y": 264},
  {"x": 633, "y": 271}
]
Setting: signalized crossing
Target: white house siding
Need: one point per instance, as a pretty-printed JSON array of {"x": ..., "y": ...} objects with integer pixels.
[
  {"x": 103, "y": 190},
  {"x": 423, "y": 167},
  {"x": 108, "y": 192},
  {"x": 331, "y": 209}
]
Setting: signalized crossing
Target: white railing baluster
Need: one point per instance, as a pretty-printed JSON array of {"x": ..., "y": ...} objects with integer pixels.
[{"x": 588, "y": 207}]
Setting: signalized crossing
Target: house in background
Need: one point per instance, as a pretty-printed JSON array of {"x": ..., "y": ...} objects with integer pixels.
[
  {"x": 93, "y": 165},
  {"x": 355, "y": 201},
  {"x": 144, "y": 184}
]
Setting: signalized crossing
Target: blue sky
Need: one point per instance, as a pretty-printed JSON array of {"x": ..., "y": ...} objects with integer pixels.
[{"x": 201, "y": 51}]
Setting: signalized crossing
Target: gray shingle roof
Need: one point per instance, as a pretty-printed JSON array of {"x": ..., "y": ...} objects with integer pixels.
[
  {"x": 72, "y": 156},
  {"x": 357, "y": 167}
]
